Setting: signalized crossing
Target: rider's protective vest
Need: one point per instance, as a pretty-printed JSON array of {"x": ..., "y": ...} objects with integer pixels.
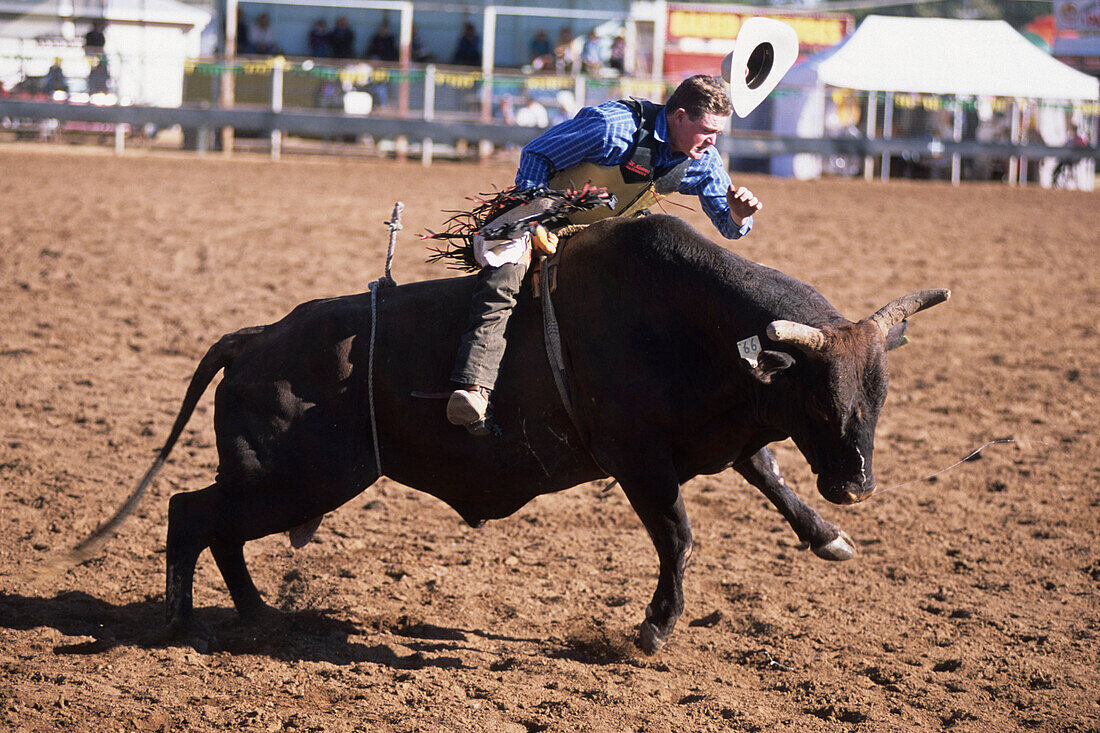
[{"x": 634, "y": 183}]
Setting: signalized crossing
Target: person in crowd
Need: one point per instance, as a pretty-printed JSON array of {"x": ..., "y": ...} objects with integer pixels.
[
  {"x": 318, "y": 40},
  {"x": 592, "y": 54},
  {"x": 55, "y": 80},
  {"x": 609, "y": 145},
  {"x": 262, "y": 36},
  {"x": 531, "y": 113},
  {"x": 617, "y": 57},
  {"x": 468, "y": 49},
  {"x": 99, "y": 79},
  {"x": 542, "y": 53},
  {"x": 419, "y": 52},
  {"x": 382, "y": 46},
  {"x": 565, "y": 56},
  {"x": 342, "y": 39},
  {"x": 95, "y": 39},
  {"x": 244, "y": 43}
]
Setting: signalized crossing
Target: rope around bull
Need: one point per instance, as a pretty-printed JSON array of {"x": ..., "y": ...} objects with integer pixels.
[{"x": 386, "y": 281}]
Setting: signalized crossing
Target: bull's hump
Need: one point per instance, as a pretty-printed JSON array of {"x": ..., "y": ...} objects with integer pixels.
[{"x": 684, "y": 257}]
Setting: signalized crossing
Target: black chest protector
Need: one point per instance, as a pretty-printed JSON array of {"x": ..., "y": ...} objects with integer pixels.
[
  {"x": 635, "y": 183},
  {"x": 640, "y": 166}
]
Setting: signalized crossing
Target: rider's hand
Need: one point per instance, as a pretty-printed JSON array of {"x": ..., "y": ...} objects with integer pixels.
[{"x": 742, "y": 203}]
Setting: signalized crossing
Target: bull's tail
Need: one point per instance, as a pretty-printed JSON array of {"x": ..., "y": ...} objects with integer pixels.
[{"x": 218, "y": 357}]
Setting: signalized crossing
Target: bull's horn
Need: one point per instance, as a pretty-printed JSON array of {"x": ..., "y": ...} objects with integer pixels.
[
  {"x": 805, "y": 337},
  {"x": 901, "y": 308}
]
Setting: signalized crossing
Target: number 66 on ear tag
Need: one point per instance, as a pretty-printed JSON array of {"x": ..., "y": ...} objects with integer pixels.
[{"x": 750, "y": 350}]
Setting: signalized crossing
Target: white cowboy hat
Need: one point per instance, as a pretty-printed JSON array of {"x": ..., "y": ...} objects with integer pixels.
[{"x": 765, "y": 50}]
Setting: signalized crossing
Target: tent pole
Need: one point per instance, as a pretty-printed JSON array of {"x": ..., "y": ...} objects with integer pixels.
[
  {"x": 887, "y": 132},
  {"x": 956, "y": 135},
  {"x": 1014, "y": 137},
  {"x": 872, "y": 123},
  {"x": 1025, "y": 123}
]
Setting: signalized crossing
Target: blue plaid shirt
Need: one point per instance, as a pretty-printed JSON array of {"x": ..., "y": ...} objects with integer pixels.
[{"x": 604, "y": 135}]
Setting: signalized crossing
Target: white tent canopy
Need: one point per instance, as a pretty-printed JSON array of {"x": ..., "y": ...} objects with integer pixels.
[
  {"x": 962, "y": 58},
  {"x": 946, "y": 56}
]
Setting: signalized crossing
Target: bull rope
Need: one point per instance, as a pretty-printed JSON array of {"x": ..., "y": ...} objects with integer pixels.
[
  {"x": 971, "y": 456},
  {"x": 552, "y": 339},
  {"x": 386, "y": 281}
]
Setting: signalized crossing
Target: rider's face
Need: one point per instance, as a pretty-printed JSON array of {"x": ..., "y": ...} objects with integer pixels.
[{"x": 693, "y": 137}]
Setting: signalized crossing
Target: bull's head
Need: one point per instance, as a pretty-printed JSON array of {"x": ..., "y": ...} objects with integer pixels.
[{"x": 836, "y": 407}]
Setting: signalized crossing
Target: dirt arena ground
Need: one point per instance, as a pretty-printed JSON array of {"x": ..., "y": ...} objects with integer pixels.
[{"x": 972, "y": 604}]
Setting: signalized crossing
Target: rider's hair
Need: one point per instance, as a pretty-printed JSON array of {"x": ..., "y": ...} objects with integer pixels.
[{"x": 700, "y": 95}]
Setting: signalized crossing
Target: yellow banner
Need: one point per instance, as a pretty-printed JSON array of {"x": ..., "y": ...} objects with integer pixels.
[
  {"x": 692, "y": 22},
  {"x": 457, "y": 80}
]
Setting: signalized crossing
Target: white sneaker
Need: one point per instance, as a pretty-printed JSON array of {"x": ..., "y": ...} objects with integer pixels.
[{"x": 466, "y": 407}]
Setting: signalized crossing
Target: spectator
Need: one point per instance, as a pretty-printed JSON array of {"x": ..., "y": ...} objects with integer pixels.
[
  {"x": 592, "y": 54},
  {"x": 342, "y": 39},
  {"x": 532, "y": 114},
  {"x": 383, "y": 44},
  {"x": 508, "y": 110},
  {"x": 244, "y": 43},
  {"x": 99, "y": 79},
  {"x": 468, "y": 50},
  {"x": 420, "y": 53},
  {"x": 565, "y": 57},
  {"x": 318, "y": 40},
  {"x": 55, "y": 79},
  {"x": 617, "y": 58},
  {"x": 95, "y": 39},
  {"x": 262, "y": 36},
  {"x": 542, "y": 54}
]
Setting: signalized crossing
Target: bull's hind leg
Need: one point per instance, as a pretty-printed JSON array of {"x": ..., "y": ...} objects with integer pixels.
[
  {"x": 230, "y": 559},
  {"x": 223, "y": 519},
  {"x": 190, "y": 519},
  {"x": 197, "y": 520},
  {"x": 826, "y": 540}
]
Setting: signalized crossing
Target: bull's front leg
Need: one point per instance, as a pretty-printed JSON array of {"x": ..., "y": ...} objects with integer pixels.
[
  {"x": 826, "y": 540},
  {"x": 657, "y": 501}
]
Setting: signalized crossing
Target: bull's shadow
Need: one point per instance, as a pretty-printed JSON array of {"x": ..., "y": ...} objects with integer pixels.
[{"x": 309, "y": 635}]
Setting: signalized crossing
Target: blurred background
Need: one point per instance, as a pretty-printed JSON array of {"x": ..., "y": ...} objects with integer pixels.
[{"x": 991, "y": 90}]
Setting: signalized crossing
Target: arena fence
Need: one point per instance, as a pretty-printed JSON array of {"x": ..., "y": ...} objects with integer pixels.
[{"x": 421, "y": 109}]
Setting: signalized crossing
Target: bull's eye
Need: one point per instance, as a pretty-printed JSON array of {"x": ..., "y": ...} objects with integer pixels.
[{"x": 817, "y": 408}]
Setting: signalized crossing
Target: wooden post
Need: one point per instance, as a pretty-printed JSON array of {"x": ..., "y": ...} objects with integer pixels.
[
  {"x": 405, "y": 58},
  {"x": 429, "y": 113},
  {"x": 277, "y": 65},
  {"x": 227, "y": 94}
]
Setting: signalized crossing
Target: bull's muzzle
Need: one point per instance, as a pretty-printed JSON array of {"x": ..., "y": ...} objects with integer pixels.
[
  {"x": 855, "y": 497},
  {"x": 849, "y": 492}
]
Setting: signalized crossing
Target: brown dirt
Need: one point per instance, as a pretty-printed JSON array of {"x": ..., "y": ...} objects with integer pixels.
[{"x": 972, "y": 604}]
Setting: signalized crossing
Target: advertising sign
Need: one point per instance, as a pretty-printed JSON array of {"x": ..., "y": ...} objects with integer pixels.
[
  {"x": 1077, "y": 15},
  {"x": 698, "y": 36}
]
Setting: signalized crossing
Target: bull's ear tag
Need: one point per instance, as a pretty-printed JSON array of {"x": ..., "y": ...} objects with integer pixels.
[{"x": 750, "y": 350}]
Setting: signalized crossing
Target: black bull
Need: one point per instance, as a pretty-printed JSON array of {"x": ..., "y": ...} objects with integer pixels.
[{"x": 650, "y": 315}]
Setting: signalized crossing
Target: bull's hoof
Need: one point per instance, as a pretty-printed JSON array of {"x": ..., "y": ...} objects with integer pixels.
[
  {"x": 198, "y": 636},
  {"x": 259, "y": 614},
  {"x": 839, "y": 548},
  {"x": 649, "y": 640}
]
